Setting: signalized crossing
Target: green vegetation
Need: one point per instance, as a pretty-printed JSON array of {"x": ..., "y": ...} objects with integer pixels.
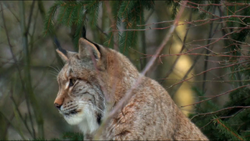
[{"x": 215, "y": 38}]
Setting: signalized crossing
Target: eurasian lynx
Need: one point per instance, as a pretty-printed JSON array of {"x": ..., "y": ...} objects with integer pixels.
[{"x": 150, "y": 114}]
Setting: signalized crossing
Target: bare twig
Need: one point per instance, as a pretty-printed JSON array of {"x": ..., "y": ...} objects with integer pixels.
[
  {"x": 207, "y": 71},
  {"x": 182, "y": 48},
  {"x": 129, "y": 93},
  {"x": 29, "y": 88},
  {"x": 113, "y": 24},
  {"x": 227, "y": 92},
  {"x": 223, "y": 117},
  {"x": 206, "y": 21},
  {"x": 11, "y": 123},
  {"x": 186, "y": 75},
  {"x": 207, "y": 52},
  {"x": 224, "y": 31},
  {"x": 30, "y": 16},
  {"x": 218, "y": 121},
  {"x": 19, "y": 73},
  {"x": 220, "y": 4},
  {"x": 149, "y": 65},
  {"x": 10, "y": 46},
  {"x": 227, "y": 108},
  {"x": 21, "y": 117}
]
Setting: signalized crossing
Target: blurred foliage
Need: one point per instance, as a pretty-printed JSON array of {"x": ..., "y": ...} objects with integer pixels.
[
  {"x": 126, "y": 14},
  {"x": 26, "y": 99},
  {"x": 233, "y": 123},
  {"x": 70, "y": 136}
]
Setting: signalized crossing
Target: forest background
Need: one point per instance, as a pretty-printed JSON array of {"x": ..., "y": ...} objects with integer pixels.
[{"x": 203, "y": 60}]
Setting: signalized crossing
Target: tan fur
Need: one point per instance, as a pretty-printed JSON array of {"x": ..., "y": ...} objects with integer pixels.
[{"x": 150, "y": 114}]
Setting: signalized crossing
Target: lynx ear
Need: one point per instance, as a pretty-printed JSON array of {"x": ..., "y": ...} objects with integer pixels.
[
  {"x": 65, "y": 55},
  {"x": 87, "y": 49}
]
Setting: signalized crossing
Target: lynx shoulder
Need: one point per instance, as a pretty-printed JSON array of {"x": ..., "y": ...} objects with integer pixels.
[{"x": 95, "y": 71}]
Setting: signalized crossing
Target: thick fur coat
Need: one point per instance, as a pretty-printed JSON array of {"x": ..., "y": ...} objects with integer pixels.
[{"x": 96, "y": 73}]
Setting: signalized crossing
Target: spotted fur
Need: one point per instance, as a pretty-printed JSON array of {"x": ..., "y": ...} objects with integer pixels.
[{"x": 96, "y": 74}]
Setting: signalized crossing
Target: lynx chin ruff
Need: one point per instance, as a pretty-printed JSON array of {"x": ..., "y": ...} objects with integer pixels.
[{"x": 150, "y": 114}]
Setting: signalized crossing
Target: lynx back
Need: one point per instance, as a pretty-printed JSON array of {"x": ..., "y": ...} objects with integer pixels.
[{"x": 95, "y": 73}]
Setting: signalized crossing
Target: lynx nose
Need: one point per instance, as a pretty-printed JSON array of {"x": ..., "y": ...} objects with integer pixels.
[
  {"x": 58, "y": 106},
  {"x": 58, "y": 102}
]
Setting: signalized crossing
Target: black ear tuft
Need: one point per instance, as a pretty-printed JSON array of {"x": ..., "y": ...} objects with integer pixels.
[
  {"x": 87, "y": 49},
  {"x": 64, "y": 54},
  {"x": 63, "y": 51},
  {"x": 59, "y": 46},
  {"x": 84, "y": 36},
  {"x": 84, "y": 32}
]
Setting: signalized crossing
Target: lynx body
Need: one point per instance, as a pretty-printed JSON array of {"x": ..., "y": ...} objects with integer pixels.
[{"x": 95, "y": 71}]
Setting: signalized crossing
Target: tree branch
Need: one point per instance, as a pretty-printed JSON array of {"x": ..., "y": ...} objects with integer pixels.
[{"x": 129, "y": 93}]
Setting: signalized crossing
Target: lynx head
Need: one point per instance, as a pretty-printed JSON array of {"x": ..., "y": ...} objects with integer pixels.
[{"x": 80, "y": 98}]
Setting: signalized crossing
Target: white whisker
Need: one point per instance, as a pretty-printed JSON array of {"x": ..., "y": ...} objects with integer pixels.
[{"x": 82, "y": 102}]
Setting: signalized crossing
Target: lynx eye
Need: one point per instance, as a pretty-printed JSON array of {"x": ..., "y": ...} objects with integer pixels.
[{"x": 72, "y": 81}]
